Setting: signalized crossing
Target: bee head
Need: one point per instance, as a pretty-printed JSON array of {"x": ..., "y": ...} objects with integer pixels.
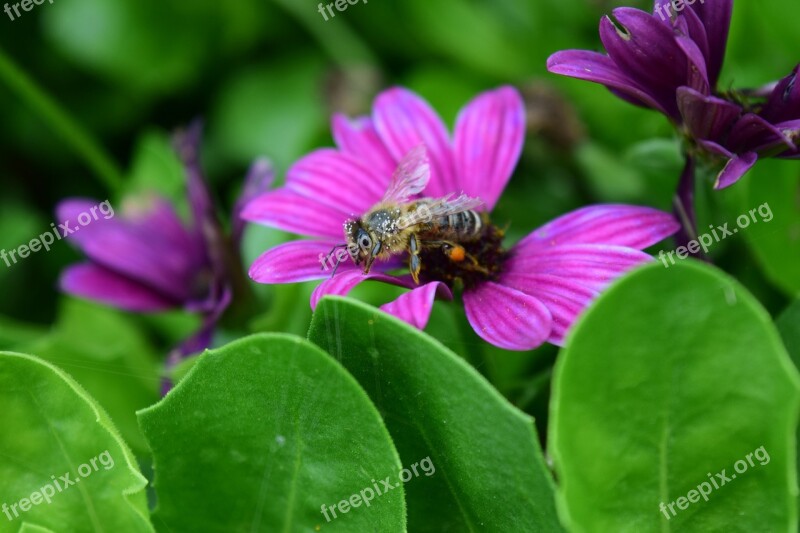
[{"x": 361, "y": 244}]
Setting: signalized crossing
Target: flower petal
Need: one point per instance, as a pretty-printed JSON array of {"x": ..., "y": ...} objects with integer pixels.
[
  {"x": 564, "y": 298},
  {"x": 707, "y": 117},
  {"x": 403, "y": 121},
  {"x": 506, "y": 317},
  {"x": 599, "y": 68},
  {"x": 290, "y": 211},
  {"x": 751, "y": 133},
  {"x": 415, "y": 305},
  {"x": 187, "y": 145},
  {"x": 488, "y": 141},
  {"x": 146, "y": 244},
  {"x": 784, "y": 102},
  {"x": 609, "y": 224},
  {"x": 716, "y": 18},
  {"x": 296, "y": 261},
  {"x": 690, "y": 25},
  {"x": 99, "y": 284},
  {"x": 337, "y": 180},
  {"x": 359, "y": 139},
  {"x": 735, "y": 169},
  {"x": 591, "y": 265},
  {"x": 696, "y": 75},
  {"x": 343, "y": 282},
  {"x": 646, "y": 51}
]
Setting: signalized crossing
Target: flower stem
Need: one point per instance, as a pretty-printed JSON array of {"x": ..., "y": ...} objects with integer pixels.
[
  {"x": 61, "y": 122},
  {"x": 684, "y": 209}
]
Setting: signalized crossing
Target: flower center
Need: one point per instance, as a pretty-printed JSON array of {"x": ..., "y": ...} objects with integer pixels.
[{"x": 481, "y": 261}]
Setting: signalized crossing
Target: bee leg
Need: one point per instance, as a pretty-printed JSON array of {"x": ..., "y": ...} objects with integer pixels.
[
  {"x": 373, "y": 254},
  {"x": 414, "y": 263},
  {"x": 458, "y": 254}
]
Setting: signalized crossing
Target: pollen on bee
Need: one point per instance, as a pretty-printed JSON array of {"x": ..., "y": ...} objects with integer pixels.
[{"x": 457, "y": 254}]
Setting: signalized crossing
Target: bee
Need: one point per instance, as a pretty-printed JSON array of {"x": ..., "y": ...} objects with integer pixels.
[{"x": 401, "y": 223}]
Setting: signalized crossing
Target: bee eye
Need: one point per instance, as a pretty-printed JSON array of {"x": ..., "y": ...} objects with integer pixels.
[{"x": 365, "y": 241}]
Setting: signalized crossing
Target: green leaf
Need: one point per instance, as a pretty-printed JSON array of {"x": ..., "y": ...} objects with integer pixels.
[
  {"x": 53, "y": 428},
  {"x": 672, "y": 375},
  {"x": 109, "y": 357},
  {"x": 774, "y": 184},
  {"x": 789, "y": 326},
  {"x": 490, "y": 473},
  {"x": 260, "y": 435}
]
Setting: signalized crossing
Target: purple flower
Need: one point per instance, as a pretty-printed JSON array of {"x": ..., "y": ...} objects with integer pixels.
[
  {"x": 146, "y": 259},
  {"x": 528, "y": 295},
  {"x": 670, "y": 61}
]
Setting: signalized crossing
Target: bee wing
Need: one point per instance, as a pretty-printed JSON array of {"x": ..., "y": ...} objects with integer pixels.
[
  {"x": 447, "y": 205},
  {"x": 411, "y": 176}
]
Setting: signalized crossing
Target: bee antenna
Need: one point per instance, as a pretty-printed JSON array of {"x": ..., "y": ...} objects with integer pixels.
[
  {"x": 335, "y": 267},
  {"x": 328, "y": 257}
]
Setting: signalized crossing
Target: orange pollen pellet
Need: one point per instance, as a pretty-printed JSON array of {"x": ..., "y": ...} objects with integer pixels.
[{"x": 457, "y": 254}]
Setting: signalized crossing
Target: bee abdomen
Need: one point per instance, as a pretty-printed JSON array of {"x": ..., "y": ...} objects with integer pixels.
[{"x": 465, "y": 224}]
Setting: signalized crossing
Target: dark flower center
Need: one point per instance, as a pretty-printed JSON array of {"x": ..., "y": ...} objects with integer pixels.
[{"x": 482, "y": 261}]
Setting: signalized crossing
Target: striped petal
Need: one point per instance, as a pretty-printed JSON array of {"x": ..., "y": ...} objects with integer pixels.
[
  {"x": 608, "y": 224},
  {"x": 415, "y": 305},
  {"x": 707, "y": 117},
  {"x": 343, "y": 282},
  {"x": 296, "y": 261},
  {"x": 359, "y": 138},
  {"x": 647, "y": 51},
  {"x": 506, "y": 317},
  {"x": 403, "y": 121},
  {"x": 599, "y": 68},
  {"x": 591, "y": 265},
  {"x": 716, "y": 18},
  {"x": 564, "y": 298},
  {"x": 337, "y": 180},
  {"x": 488, "y": 141},
  {"x": 290, "y": 211}
]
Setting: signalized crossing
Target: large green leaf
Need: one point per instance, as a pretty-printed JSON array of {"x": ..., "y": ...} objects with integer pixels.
[
  {"x": 490, "y": 474},
  {"x": 789, "y": 325},
  {"x": 109, "y": 356},
  {"x": 673, "y": 376},
  {"x": 261, "y": 434},
  {"x": 60, "y": 450}
]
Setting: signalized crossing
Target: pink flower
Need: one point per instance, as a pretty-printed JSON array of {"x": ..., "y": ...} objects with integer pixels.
[{"x": 530, "y": 293}]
